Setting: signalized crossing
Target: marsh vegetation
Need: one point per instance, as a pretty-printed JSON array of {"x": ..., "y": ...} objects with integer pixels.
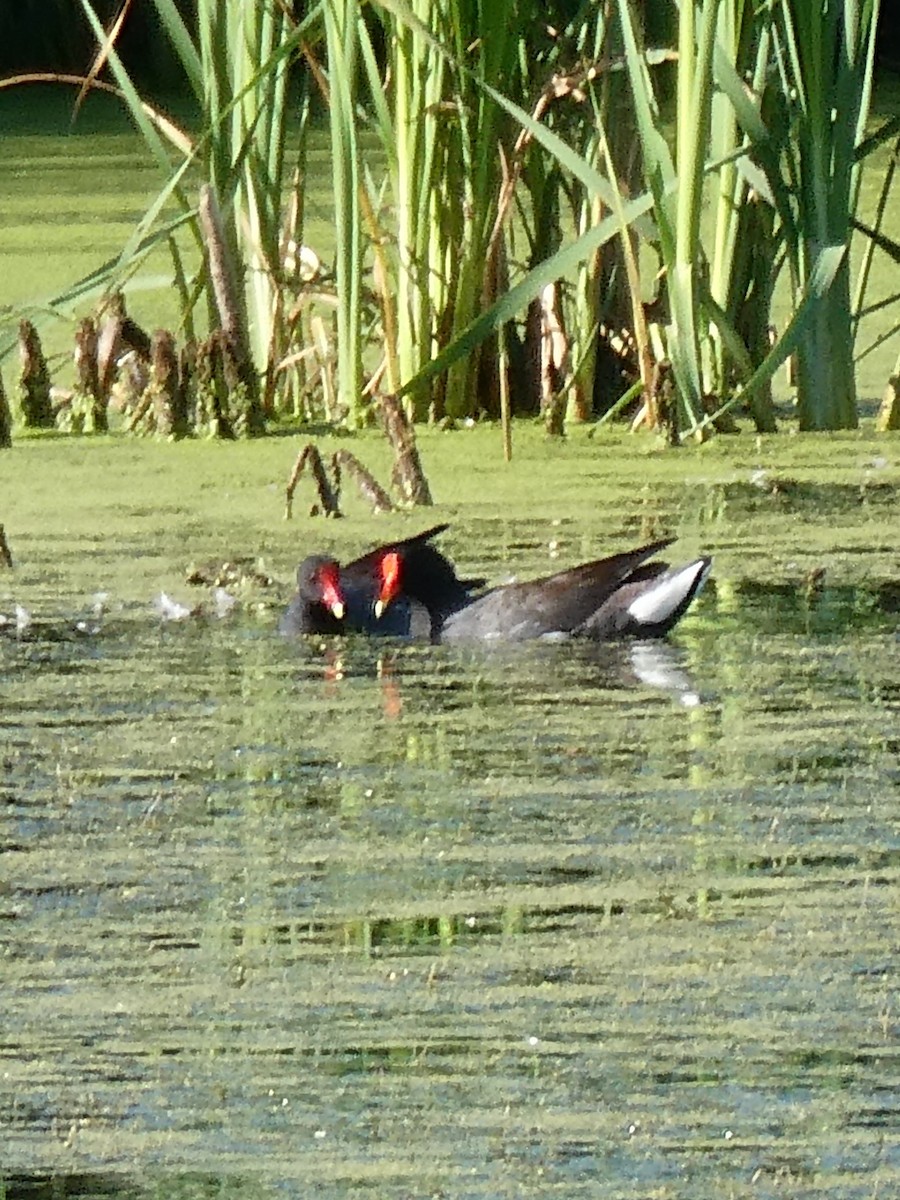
[
  {"x": 340, "y": 918},
  {"x": 568, "y": 214}
]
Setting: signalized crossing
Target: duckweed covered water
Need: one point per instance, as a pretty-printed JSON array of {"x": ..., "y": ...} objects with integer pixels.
[{"x": 344, "y": 919}]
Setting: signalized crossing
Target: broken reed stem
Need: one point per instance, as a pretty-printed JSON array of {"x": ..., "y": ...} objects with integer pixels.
[
  {"x": 5, "y": 421},
  {"x": 221, "y": 267},
  {"x": 35, "y": 406},
  {"x": 407, "y": 475},
  {"x": 5, "y": 555},
  {"x": 505, "y": 422},
  {"x": 328, "y": 497},
  {"x": 365, "y": 480}
]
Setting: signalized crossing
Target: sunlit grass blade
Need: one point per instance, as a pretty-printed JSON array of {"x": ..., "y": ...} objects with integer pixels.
[
  {"x": 149, "y": 132},
  {"x": 341, "y": 32},
  {"x": 825, "y": 270},
  {"x": 678, "y": 209},
  {"x": 827, "y": 54},
  {"x": 515, "y": 300}
]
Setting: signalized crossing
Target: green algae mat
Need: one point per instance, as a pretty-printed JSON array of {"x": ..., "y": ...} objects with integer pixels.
[{"x": 378, "y": 919}]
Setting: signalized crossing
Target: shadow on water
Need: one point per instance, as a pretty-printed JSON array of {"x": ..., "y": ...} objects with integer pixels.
[
  {"x": 396, "y": 919},
  {"x": 98, "y": 1186}
]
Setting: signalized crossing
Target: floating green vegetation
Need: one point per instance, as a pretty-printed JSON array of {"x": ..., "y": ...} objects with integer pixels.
[{"x": 298, "y": 915}]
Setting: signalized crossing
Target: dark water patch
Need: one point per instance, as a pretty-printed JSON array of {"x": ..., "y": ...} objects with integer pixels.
[
  {"x": 797, "y": 861},
  {"x": 820, "y": 610},
  {"x": 885, "y": 1115},
  {"x": 67, "y": 1187},
  {"x": 765, "y": 490}
]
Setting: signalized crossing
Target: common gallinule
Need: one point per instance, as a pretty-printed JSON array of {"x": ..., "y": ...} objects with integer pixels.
[
  {"x": 358, "y": 586},
  {"x": 318, "y": 605},
  {"x": 435, "y": 593},
  {"x": 616, "y": 597}
]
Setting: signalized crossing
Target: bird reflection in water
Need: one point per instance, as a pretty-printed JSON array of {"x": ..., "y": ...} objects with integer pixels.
[{"x": 336, "y": 667}]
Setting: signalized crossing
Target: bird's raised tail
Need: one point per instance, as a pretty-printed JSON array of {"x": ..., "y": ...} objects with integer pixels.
[{"x": 648, "y": 604}]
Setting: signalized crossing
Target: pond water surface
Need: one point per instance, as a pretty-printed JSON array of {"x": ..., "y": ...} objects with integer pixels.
[{"x": 343, "y": 919}]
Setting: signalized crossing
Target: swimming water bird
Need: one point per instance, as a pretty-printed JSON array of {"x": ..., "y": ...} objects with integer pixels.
[
  {"x": 437, "y": 592},
  {"x": 318, "y": 605},
  {"x": 358, "y": 586},
  {"x": 624, "y": 595}
]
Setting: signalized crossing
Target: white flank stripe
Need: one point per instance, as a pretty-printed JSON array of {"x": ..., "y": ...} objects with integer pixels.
[{"x": 660, "y": 601}]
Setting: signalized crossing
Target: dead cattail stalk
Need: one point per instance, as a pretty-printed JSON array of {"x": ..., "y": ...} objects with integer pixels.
[{"x": 328, "y": 497}]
